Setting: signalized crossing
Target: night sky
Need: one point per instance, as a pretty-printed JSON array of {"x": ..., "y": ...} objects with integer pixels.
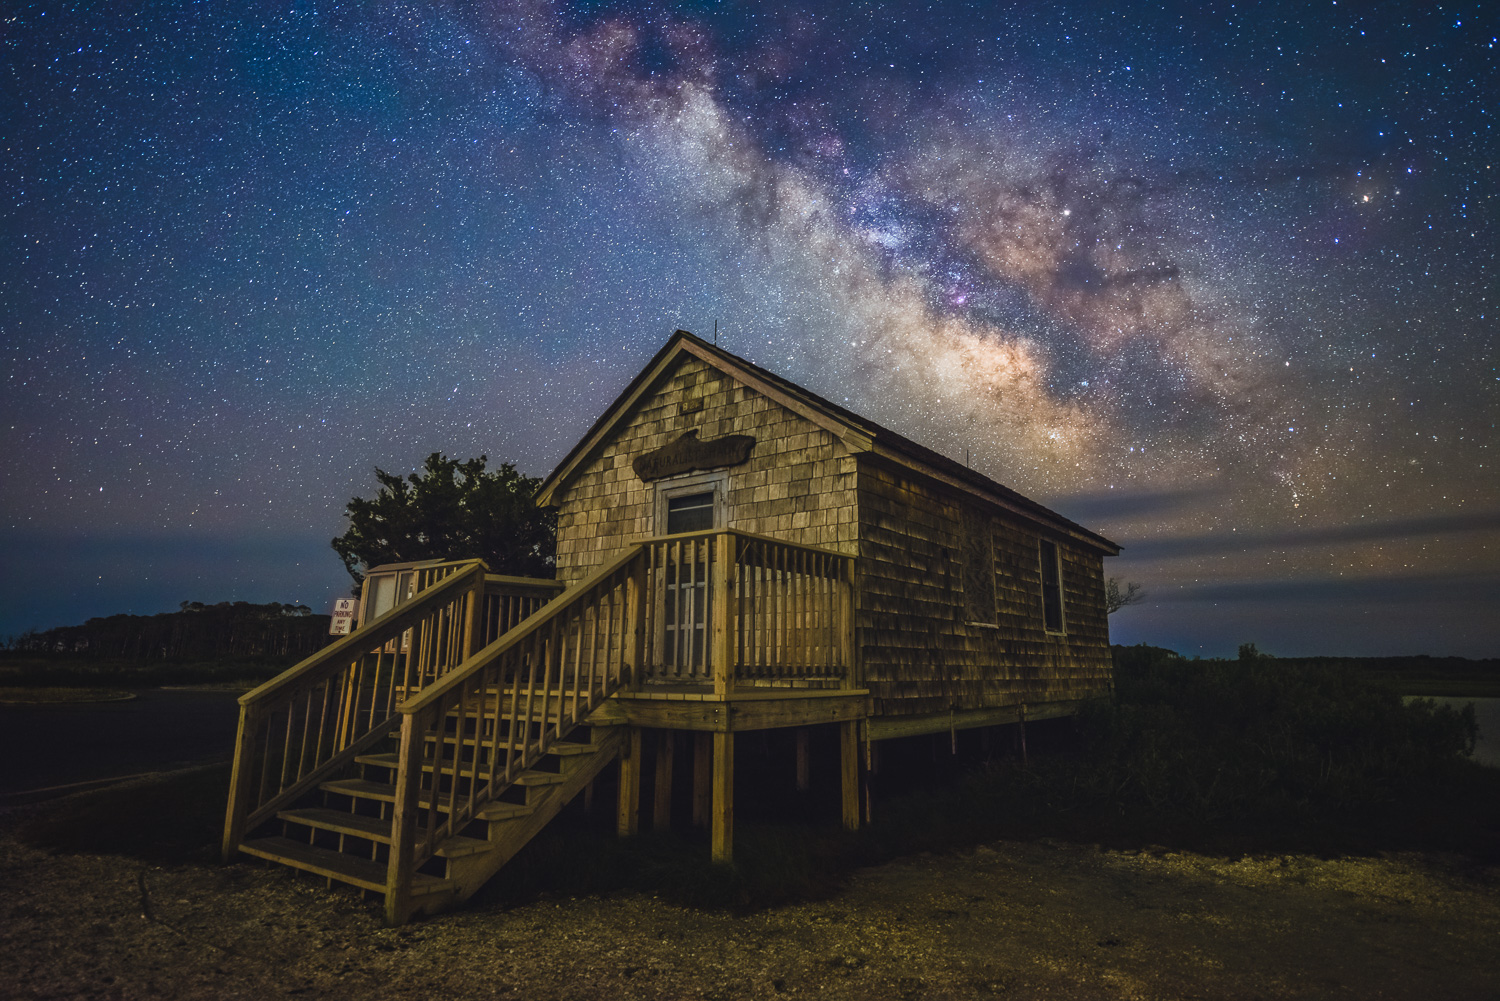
[{"x": 1212, "y": 279}]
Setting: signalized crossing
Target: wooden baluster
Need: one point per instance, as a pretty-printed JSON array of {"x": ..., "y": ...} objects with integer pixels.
[
  {"x": 265, "y": 756},
  {"x": 741, "y": 649},
  {"x": 323, "y": 721},
  {"x": 830, "y": 617},
  {"x": 553, "y": 654},
  {"x": 510, "y": 760},
  {"x": 848, "y": 655},
  {"x": 799, "y": 601},
  {"x": 720, "y": 660},
  {"x": 781, "y": 602},
  {"x": 686, "y": 619},
  {"x": 609, "y": 627},
  {"x": 763, "y": 610},
  {"x": 588, "y": 614},
  {"x": 307, "y": 702},
  {"x": 460, "y": 737},
  {"x": 494, "y": 678},
  {"x": 374, "y": 695}
]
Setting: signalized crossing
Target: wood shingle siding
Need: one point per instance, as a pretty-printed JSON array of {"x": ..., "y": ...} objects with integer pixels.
[
  {"x": 798, "y": 483},
  {"x": 923, "y": 646}
]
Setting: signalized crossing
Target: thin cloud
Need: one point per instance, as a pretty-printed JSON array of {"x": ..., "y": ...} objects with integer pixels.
[
  {"x": 1379, "y": 531},
  {"x": 1113, "y": 504},
  {"x": 1410, "y": 589}
]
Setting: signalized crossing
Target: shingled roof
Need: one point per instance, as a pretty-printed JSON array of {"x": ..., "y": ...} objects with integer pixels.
[{"x": 859, "y": 434}]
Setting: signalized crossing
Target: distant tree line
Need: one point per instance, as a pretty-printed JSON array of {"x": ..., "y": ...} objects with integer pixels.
[{"x": 195, "y": 632}]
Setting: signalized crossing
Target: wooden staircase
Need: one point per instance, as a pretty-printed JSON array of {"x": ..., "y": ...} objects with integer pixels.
[
  {"x": 402, "y": 761},
  {"x": 348, "y": 837}
]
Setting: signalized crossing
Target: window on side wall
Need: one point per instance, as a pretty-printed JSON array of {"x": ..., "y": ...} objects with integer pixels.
[
  {"x": 979, "y": 569},
  {"x": 1052, "y": 595}
]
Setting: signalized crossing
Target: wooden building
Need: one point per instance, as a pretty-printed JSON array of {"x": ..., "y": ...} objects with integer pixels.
[{"x": 735, "y": 553}]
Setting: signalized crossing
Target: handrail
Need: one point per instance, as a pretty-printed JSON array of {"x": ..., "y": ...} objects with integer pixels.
[
  {"x": 387, "y": 627},
  {"x": 521, "y": 632},
  {"x": 707, "y": 533},
  {"x": 298, "y": 727}
]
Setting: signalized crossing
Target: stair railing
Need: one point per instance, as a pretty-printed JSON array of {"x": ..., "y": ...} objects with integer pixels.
[
  {"x": 302, "y": 725},
  {"x": 471, "y": 735}
]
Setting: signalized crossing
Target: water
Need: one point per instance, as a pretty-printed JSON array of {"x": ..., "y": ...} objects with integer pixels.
[
  {"x": 42, "y": 747},
  {"x": 1487, "y": 714}
]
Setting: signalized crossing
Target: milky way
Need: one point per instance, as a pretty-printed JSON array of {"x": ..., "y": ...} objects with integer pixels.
[{"x": 1213, "y": 282}]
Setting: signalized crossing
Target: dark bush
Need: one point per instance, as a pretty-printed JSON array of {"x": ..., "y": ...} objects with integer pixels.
[{"x": 1217, "y": 741}]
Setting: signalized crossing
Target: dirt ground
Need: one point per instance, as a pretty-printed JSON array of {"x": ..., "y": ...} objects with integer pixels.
[{"x": 1017, "y": 920}]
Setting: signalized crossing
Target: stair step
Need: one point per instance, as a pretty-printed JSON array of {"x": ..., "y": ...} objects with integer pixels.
[
  {"x": 459, "y": 846},
  {"x": 360, "y": 872},
  {"x": 567, "y": 748},
  {"x": 386, "y": 793},
  {"x": 392, "y": 760},
  {"x": 559, "y": 747},
  {"x": 341, "y": 822}
]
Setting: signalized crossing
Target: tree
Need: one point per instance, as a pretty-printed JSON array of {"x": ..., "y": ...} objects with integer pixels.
[
  {"x": 1118, "y": 594},
  {"x": 451, "y": 511}
]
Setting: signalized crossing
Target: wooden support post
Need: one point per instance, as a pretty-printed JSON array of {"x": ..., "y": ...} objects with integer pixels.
[
  {"x": 628, "y": 821},
  {"x": 721, "y": 834},
  {"x": 722, "y": 657},
  {"x": 661, "y": 816},
  {"x": 872, "y": 765},
  {"x": 239, "y": 782},
  {"x": 849, "y": 772},
  {"x": 636, "y": 601},
  {"x": 804, "y": 767},
  {"x": 473, "y": 617},
  {"x": 588, "y": 798},
  {"x": 401, "y": 867},
  {"x": 703, "y": 777},
  {"x": 1022, "y": 725}
]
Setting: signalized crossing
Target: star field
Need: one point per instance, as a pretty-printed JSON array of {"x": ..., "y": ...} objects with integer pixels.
[{"x": 1215, "y": 280}]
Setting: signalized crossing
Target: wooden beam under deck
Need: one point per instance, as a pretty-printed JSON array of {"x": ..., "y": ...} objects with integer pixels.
[
  {"x": 774, "y": 709},
  {"x": 888, "y": 727},
  {"x": 756, "y": 710}
]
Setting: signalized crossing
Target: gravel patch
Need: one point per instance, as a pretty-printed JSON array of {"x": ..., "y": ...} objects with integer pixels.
[{"x": 1009, "y": 920}]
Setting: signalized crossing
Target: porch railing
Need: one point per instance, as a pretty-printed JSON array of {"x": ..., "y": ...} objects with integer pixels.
[
  {"x": 304, "y": 724},
  {"x": 731, "y": 608}
]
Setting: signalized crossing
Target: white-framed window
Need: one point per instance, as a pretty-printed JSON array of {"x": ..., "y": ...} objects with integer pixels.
[
  {"x": 691, "y": 503},
  {"x": 1053, "y": 619}
]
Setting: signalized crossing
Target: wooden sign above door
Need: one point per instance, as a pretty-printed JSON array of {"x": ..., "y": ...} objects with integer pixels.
[{"x": 689, "y": 453}]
